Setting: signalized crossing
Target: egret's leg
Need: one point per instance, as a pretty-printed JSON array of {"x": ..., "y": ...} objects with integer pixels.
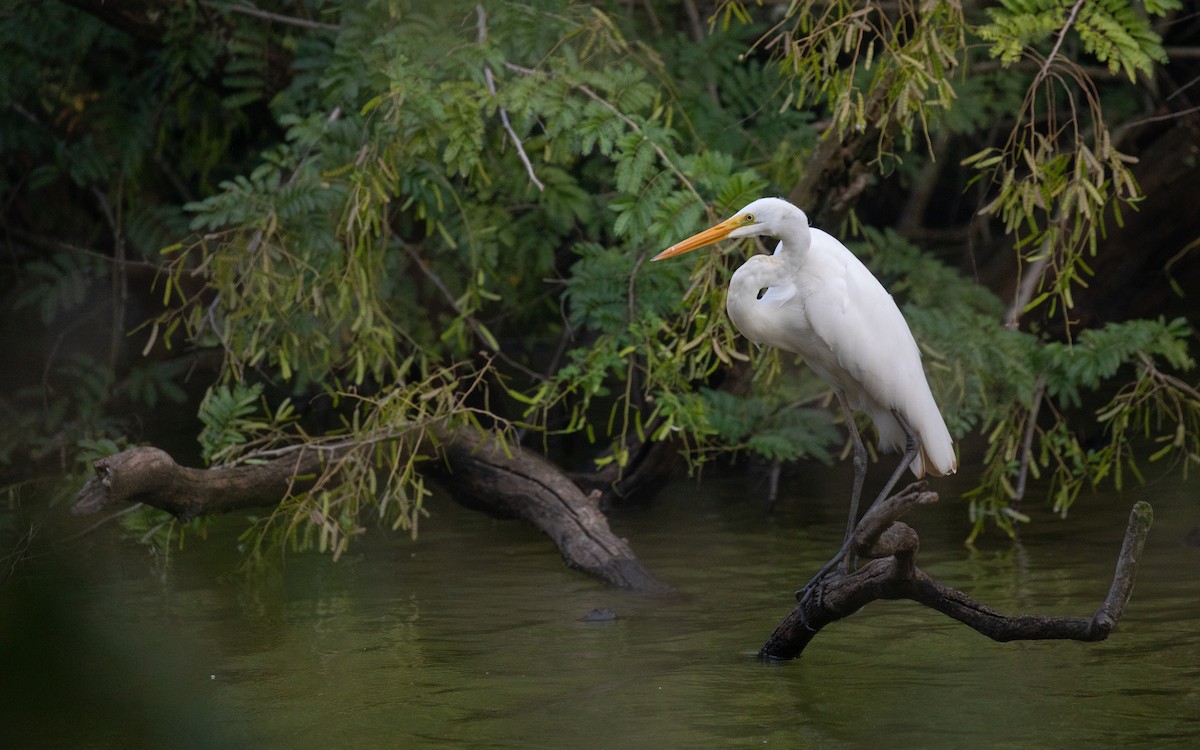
[
  {"x": 860, "y": 466},
  {"x": 859, "y": 453},
  {"x": 910, "y": 452}
]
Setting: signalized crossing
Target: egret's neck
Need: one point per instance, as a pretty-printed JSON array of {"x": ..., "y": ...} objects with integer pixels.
[{"x": 794, "y": 240}]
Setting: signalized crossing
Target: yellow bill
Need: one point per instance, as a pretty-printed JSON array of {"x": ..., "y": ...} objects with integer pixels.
[{"x": 705, "y": 238}]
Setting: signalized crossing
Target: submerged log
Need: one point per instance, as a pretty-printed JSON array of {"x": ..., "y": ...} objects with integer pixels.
[
  {"x": 892, "y": 574},
  {"x": 506, "y": 482}
]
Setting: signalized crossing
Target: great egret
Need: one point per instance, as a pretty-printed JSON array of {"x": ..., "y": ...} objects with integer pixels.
[{"x": 822, "y": 303}]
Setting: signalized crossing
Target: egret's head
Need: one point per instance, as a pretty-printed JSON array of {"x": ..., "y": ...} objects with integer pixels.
[{"x": 768, "y": 216}]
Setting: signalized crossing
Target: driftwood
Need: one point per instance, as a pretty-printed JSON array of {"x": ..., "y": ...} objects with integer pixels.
[
  {"x": 892, "y": 574},
  {"x": 512, "y": 483}
]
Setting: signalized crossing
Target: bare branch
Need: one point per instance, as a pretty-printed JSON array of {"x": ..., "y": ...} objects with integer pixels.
[
  {"x": 1039, "y": 391},
  {"x": 894, "y": 575},
  {"x": 120, "y": 283},
  {"x": 508, "y": 481},
  {"x": 491, "y": 83},
  {"x": 666, "y": 160},
  {"x": 250, "y": 10},
  {"x": 1062, "y": 34}
]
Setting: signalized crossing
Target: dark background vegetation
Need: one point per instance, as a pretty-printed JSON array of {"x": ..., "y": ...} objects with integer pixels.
[{"x": 230, "y": 228}]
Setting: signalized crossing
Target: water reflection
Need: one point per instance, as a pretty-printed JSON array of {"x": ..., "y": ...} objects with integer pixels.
[{"x": 472, "y": 636}]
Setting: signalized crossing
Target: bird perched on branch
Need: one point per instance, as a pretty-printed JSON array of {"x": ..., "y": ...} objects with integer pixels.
[{"x": 813, "y": 297}]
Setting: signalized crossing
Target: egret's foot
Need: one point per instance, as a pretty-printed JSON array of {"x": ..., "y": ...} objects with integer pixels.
[
  {"x": 842, "y": 557},
  {"x": 816, "y": 584},
  {"x": 814, "y": 587}
]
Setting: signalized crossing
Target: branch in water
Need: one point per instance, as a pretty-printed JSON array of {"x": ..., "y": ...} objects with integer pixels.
[{"x": 893, "y": 574}]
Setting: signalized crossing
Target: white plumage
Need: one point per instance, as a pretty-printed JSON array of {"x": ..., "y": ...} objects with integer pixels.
[{"x": 822, "y": 303}]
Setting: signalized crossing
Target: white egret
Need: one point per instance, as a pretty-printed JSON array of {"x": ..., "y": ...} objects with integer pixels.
[{"x": 822, "y": 303}]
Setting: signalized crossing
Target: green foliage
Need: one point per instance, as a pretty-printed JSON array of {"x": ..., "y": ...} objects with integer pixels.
[
  {"x": 57, "y": 285},
  {"x": 92, "y": 121},
  {"x": 154, "y": 384},
  {"x": 1056, "y": 178},
  {"x": 224, "y": 414},
  {"x": 427, "y": 215},
  {"x": 606, "y": 293},
  {"x": 1098, "y": 352},
  {"x": 1115, "y": 32},
  {"x": 44, "y": 427},
  {"x": 1153, "y": 407},
  {"x": 777, "y": 432},
  {"x": 872, "y": 65},
  {"x": 159, "y": 531}
]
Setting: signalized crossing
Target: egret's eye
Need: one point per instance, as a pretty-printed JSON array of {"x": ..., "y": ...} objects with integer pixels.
[{"x": 749, "y": 219}]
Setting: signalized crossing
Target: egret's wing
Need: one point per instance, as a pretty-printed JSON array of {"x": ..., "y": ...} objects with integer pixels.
[
  {"x": 875, "y": 359},
  {"x": 778, "y": 296}
]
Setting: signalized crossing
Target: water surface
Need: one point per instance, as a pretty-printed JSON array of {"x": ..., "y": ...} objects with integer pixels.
[{"x": 471, "y": 636}]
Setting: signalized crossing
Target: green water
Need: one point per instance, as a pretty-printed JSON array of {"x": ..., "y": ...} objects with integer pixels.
[{"x": 471, "y": 637}]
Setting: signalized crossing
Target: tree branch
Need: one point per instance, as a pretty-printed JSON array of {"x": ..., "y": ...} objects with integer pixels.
[
  {"x": 149, "y": 475},
  {"x": 253, "y": 12},
  {"x": 491, "y": 84},
  {"x": 1062, "y": 34},
  {"x": 894, "y": 575},
  {"x": 1039, "y": 391}
]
